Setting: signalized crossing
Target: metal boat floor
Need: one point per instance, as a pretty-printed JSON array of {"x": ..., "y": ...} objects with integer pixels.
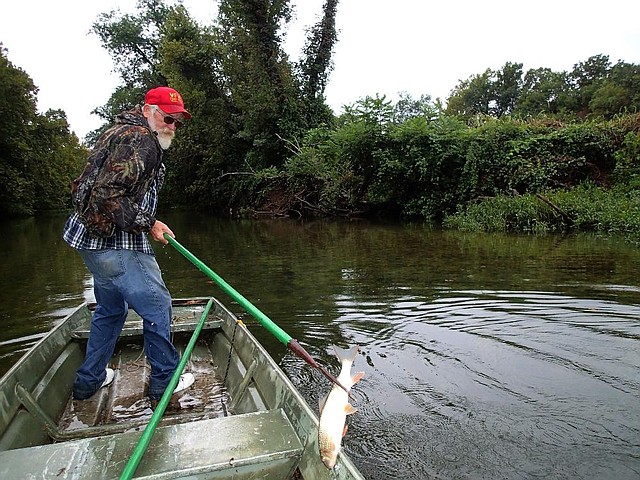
[{"x": 126, "y": 401}]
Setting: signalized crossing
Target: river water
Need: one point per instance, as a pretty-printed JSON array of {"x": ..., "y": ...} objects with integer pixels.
[{"x": 485, "y": 356}]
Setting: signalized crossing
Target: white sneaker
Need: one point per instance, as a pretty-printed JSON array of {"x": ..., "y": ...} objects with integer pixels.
[
  {"x": 186, "y": 380},
  {"x": 109, "y": 378}
]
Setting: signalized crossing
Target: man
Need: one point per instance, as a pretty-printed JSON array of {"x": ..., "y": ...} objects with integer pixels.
[{"x": 115, "y": 202}]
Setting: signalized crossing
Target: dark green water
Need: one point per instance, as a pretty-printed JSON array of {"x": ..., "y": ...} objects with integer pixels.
[{"x": 485, "y": 356}]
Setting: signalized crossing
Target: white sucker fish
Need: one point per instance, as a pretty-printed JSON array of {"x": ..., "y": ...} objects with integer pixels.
[{"x": 335, "y": 408}]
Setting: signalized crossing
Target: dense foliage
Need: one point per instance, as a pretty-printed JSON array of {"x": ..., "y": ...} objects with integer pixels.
[
  {"x": 431, "y": 167},
  {"x": 38, "y": 154},
  {"x": 263, "y": 141},
  {"x": 593, "y": 88}
]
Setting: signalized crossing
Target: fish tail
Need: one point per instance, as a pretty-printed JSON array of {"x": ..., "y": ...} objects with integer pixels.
[{"x": 346, "y": 355}]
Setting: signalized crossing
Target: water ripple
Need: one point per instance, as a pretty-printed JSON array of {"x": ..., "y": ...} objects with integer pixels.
[{"x": 521, "y": 373}]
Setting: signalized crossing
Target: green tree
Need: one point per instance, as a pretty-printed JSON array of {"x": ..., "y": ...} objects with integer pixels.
[
  {"x": 472, "y": 96},
  {"x": 260, "y": 78},
  {"x": 18, "y": 106},
  {"x": 316, "y": 64},
  {"x": 209, "y": 146},
  {"x": 592, "y": 87},
  {"x": 506, "y": 89},
  {"x": 585, "y": 79},
  {"x": 133, "y": 42},
  {"x": 543, "y": 92},
  {"x": 56, "y": 158},
  {"x": 407, "y": 107},
  {"x": 38, "y": 155},
  {"x": 492, "y": 93},
  {"x": 618, "y": 93}
]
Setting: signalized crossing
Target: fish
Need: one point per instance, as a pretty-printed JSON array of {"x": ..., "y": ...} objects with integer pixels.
[{"x": 335, "y": 407}]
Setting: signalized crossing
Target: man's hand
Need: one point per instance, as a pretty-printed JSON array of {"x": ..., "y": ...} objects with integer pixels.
[{"x": 158, "y": 230}]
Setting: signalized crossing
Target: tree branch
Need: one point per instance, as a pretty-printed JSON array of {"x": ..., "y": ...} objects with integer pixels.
[{"x": 555, "y": 208}]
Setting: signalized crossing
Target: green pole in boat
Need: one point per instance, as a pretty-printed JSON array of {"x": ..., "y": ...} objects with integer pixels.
[
  {"x": 282, "y": 336},
  {"x": 143, "y": 443}
]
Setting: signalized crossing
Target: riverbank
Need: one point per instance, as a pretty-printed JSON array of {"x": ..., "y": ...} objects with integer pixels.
[{"x": 585, "y": 208}]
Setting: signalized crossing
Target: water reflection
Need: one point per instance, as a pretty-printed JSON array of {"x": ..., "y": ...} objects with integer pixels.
[{"x": 486, "y": 356}]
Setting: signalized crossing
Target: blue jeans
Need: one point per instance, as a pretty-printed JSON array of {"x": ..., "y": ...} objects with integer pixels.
[{"x": 123, "y": 279}]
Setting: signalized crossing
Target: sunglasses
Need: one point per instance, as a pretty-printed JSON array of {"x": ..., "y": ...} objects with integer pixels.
[{"x": 168, "y": 119}]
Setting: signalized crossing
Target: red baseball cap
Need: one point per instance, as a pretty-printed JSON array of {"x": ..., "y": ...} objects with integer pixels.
[{"x": 169, "y": 100}]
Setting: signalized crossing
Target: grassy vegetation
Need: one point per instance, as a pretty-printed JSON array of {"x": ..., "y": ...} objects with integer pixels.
[{"x": 582, "y": 208}]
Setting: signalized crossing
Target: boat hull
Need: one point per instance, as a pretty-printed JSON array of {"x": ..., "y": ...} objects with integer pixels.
[{"x": 243, "y": 418}]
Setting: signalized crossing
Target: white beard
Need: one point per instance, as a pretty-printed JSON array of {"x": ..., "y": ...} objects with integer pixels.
[
  {"x": 165, "y": 135},
  {"x": 165, "y": 138}
]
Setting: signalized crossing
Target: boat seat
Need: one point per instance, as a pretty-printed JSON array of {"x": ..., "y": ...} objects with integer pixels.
[
  {"x": 133, "y": 328},
  {"x": 237, "y": 446},
  {"x": 186, "y": 317}
]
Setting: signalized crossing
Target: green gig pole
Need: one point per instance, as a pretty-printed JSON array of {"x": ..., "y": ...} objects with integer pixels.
[
  {"x": 143, "y": 443},
  {"x": 282, "y": 336}
]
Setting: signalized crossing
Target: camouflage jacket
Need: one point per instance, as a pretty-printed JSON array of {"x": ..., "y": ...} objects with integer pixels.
[{"x": 109, "y": 192}]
